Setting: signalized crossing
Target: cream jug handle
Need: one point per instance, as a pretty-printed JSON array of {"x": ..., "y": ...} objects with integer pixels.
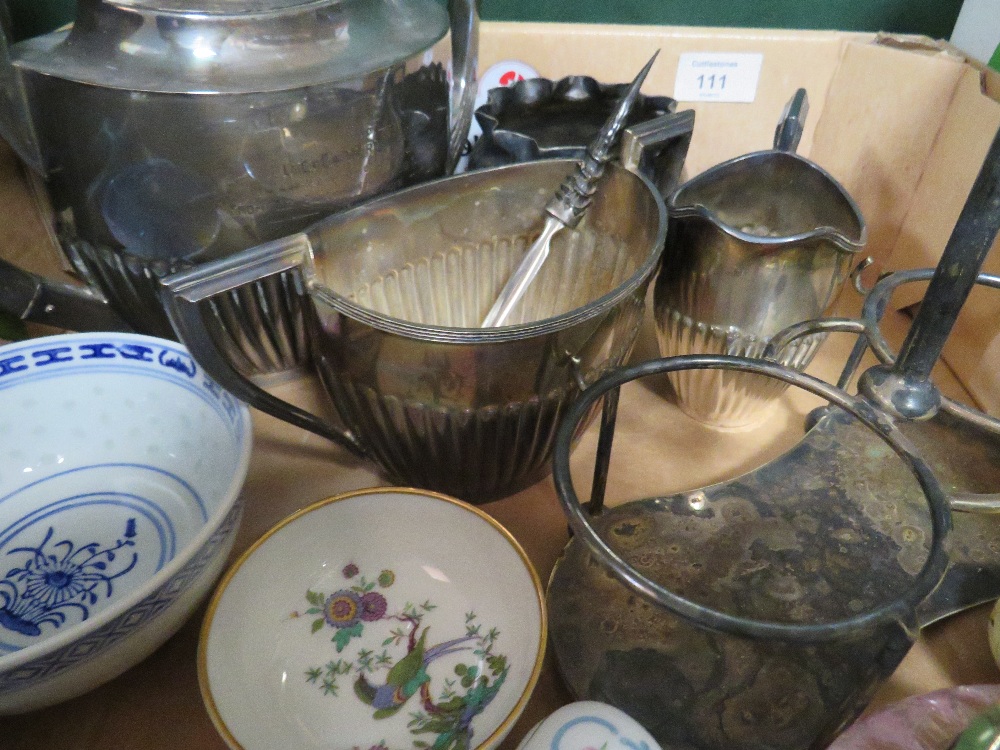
[
  {"x": 184, "y": 294},
  {"x": 464, "y": 15},
  {"x": 793, "y": 121}
]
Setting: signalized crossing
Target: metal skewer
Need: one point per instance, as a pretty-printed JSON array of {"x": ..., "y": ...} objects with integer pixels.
[{"x": 568, "y": 205}]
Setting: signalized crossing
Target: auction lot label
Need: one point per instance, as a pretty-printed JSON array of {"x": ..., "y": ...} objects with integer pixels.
[{"x": 717, "y": 77}]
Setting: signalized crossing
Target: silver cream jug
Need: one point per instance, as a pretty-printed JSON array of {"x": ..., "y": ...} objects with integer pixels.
[
  {"x": 756, "y": 243},
  {"x": 167, "y": 133}
]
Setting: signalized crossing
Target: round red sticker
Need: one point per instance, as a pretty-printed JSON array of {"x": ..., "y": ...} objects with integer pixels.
[
  {"x": 510, "y": 77},
  {"x": 504, "y": 73}
]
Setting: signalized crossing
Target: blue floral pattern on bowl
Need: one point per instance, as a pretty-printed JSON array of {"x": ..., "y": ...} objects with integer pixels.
[
  {"x": 53, "y": 580},
  {"x": 141, "y": 614},
  {"x": 158, "y": 517},
  {"x": 120, "y": 468},
  {"x": 392, "y": 673}
]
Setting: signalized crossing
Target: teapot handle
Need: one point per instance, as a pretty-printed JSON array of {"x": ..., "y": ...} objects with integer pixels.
[
  {"x": 40, "y": 300},
  {"x": 16, "y": 126},
  {"x": 184, "y": 295},
  {"x": 464, "y": 15}
]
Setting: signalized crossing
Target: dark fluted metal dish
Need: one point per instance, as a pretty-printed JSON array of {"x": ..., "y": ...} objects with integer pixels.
[{"x": 539, "y": 118}]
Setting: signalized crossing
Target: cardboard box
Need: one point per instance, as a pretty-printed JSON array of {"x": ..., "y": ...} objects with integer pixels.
[{"x": 903, "y": 122}]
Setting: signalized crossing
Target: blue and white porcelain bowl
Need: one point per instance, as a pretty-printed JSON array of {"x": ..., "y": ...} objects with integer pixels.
[
  {"x": 382, "y": 619},
  {"x": 121, "y": 466}
]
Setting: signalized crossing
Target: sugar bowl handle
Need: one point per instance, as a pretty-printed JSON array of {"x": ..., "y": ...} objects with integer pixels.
[{"x": 184, "y": 295}]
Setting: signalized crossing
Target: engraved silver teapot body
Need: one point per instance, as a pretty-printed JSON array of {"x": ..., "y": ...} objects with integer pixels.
[{"x": 168, "y": 132}]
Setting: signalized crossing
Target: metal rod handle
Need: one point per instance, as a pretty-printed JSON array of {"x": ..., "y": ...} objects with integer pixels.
[
  {"x": 900, "y": 610},
  {"x": 970, "y": 242},
  {"x": 904, "y": 389}
]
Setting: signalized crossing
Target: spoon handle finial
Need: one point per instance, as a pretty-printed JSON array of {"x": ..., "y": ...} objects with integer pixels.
[{"x": 575, "y": 193}]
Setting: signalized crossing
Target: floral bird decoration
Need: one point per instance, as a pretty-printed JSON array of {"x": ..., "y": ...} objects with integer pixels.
[{"x": 388, "y": 684}]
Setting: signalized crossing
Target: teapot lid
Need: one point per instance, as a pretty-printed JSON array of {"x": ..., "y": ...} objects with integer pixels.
[{"x": 232, "y": 46}]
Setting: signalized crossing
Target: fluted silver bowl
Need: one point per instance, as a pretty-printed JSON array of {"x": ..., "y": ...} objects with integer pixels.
[{"x": 397, "y": 290}]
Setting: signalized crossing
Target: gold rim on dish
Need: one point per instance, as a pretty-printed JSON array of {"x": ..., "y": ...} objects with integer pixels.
[{"x": 512, "y": 715}]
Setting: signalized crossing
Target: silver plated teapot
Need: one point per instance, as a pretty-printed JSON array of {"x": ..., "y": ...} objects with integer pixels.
[{"x": 171, "y": 132}]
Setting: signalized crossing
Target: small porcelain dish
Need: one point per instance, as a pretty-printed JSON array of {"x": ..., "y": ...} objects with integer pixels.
[
  {"x": 385, "y": 618},
  {"x": 588, "y": 725},
  {"x": 121, "y": 465}
]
